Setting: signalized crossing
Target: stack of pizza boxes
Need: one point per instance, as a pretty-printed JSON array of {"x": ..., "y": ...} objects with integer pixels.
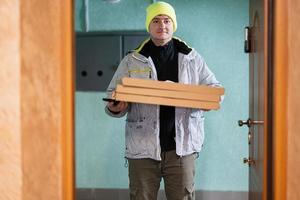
[{"x": 168, "y": 93}]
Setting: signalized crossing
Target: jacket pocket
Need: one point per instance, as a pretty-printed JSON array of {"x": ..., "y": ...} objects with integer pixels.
[
  {"x": 196, "y": 130},
  {"x": 138, "y": 135},
  {"x": 140, "y": 72}
]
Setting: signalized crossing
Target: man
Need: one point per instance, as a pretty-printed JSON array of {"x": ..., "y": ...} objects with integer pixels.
[{"x": 162, "y": 141}]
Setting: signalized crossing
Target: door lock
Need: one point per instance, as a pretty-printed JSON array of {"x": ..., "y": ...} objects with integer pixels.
[
  {"x": 248, "y": 161},
  {"x": 249, "y": 122},
  {"x": 249, "y": 137}
]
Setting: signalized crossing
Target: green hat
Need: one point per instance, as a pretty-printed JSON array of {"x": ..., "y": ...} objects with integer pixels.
[{"x": 160, "y": 8}]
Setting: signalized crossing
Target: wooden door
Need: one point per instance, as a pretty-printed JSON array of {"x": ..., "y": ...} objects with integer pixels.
[{"x": 258, "y": 100}]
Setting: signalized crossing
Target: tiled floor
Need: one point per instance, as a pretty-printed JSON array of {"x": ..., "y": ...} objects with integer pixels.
[{"x": 123, "y": 194}]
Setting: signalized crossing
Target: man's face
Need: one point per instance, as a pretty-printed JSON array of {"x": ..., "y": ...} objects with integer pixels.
[{"x": 161, "y": 29}]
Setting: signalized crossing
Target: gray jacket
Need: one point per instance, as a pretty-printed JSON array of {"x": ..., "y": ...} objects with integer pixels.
[{"x": 142, "y": 123}]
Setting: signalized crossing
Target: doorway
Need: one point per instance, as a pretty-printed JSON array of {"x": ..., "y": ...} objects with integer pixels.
[{"x": 217, "y": 39}]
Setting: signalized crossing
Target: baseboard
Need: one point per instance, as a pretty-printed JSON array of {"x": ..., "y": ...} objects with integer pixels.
[{"x": 123, "y": 194}]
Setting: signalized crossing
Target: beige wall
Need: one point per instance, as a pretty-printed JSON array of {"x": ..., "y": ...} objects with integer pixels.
[
  {"x": 36, "y": 100},
  {"x": 293, "y": 144},
  {"x": 10, "y": 133},
  {"x": 40, "y": 99}
]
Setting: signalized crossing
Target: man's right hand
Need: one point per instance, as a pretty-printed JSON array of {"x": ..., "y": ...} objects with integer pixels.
[{"x": 117, "y": 107}]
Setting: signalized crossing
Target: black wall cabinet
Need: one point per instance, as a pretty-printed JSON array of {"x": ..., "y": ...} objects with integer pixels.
[{"x": 98, "y": 56}]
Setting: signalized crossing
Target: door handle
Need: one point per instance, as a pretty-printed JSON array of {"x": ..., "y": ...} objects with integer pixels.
[{"x": 249, "y": 122}]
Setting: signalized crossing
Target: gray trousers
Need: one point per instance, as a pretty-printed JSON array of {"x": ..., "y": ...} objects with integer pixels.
[{"x": 177, "y": 172}]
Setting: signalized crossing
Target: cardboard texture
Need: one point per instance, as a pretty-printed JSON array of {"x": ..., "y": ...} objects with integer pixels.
[
  {"x": 164, "y": 85},
  {"x": 167, "y": 101},
  {"x": 168, "y": 93}
]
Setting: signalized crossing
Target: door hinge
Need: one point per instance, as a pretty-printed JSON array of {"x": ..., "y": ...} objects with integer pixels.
[{"x": 247, "y": 43}]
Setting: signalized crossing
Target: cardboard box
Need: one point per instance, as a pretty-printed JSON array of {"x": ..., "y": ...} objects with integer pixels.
[
  {"x": 165, "y": 85},
  {"x": 168, "y": 93}
]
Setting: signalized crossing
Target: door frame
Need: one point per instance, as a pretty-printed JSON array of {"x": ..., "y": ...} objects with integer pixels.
[
  {"x": 68, "y": 92},
  {"x": 285, "y": 109},
  {"x": 279, "y": 140},
  {"x": 277, "y": 62}
]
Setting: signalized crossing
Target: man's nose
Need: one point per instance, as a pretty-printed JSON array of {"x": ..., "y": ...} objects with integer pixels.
[{"x": 161, "y": 23}]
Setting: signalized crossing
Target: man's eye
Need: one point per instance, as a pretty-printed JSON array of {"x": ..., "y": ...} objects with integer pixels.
[{"x": 167, "y": 21}]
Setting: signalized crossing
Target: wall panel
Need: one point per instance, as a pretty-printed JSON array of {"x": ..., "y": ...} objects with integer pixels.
[{"x": 10, "y": 134}]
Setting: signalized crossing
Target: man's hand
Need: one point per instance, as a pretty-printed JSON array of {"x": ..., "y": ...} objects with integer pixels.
[{"x": 117, "y": 107}]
